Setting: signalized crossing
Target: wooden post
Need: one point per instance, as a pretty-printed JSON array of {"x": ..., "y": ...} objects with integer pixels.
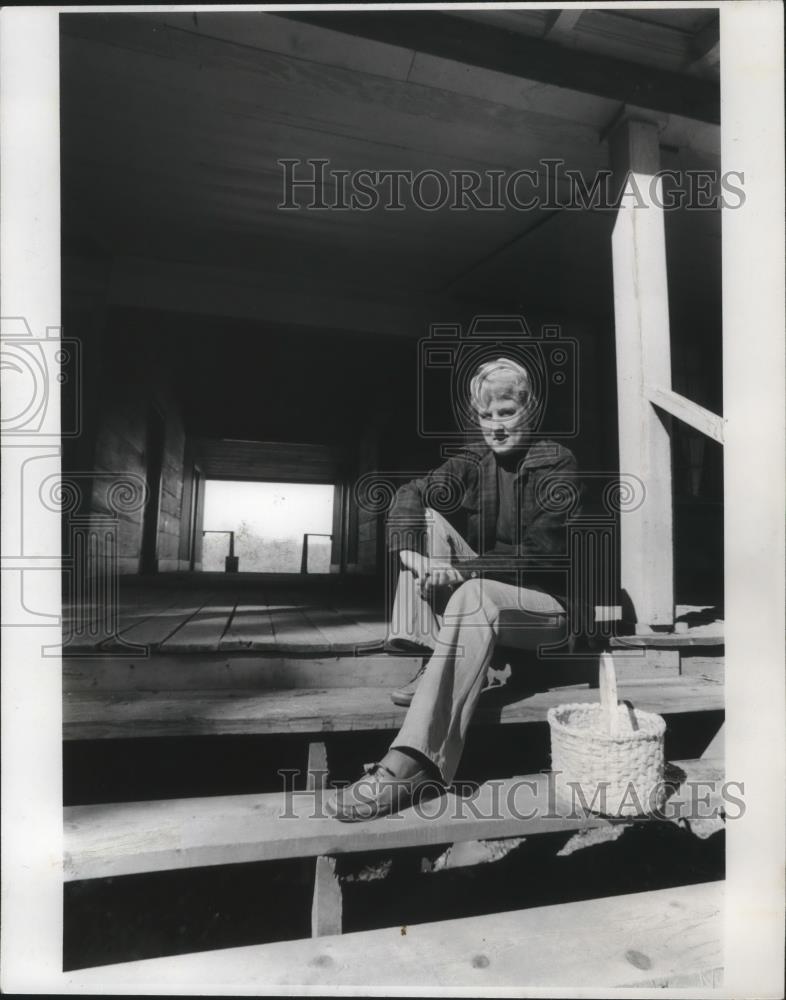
[
  {"x": 326, "y": 908},
  {"x": 316, "y": 777},
  {"x": 327, "y": 904},
  {"x": 337, "y": 546},
  {"x": 232, "y": 562},
  {"x": 641, "y": 313},
  {"x": 717, "y": 745},
  {"x": 199, "y": 519},
  {"x": 304, "y": 556}
]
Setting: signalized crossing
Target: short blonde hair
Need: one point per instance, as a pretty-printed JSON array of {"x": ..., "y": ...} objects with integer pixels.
[{"x": 504, "y": 372}]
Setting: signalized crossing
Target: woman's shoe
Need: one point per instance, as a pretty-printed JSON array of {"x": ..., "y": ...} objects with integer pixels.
[
  {"x": 378, "y": 793},
  {"x": 405, "y": 694}
]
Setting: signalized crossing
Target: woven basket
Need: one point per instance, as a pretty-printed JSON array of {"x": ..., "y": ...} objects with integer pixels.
[{"x": 619, "y": 775}]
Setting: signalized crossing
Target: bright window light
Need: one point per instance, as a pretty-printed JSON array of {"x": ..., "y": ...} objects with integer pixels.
[{"x": 269, "y": 521}]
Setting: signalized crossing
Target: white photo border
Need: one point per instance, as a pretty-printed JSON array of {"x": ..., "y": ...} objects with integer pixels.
[{"x": 755, "y": 433}]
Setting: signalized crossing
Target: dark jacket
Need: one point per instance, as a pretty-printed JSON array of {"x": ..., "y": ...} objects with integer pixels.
[{"x": 464, "y": 489}]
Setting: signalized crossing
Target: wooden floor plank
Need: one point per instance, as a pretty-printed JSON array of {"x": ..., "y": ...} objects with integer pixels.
[
  {"x": 369, "y": 621},
  {"x": 153, "y": 629},
  {"x": 134, "y": 837},
  {"x": 133, "y": 601},
  {"x": 300, "y": 618},
  {"x": 365, "y": 614},
  {"x": 251, "y": 628},
  {"x": 144, "y": 623},
  {"x": 143, "y": 618},
  {"x": 664, "y": 935},
  {"x": 128, "y": 714},
  {"x": 294, "y": 624},
  {"x": 340, "y": 631},
  {"x": 293, "y": 630},
  {"x": 215, "y": 671},
  {"x": 202, "y": 632},
  {"x": 699, "y": 635}
]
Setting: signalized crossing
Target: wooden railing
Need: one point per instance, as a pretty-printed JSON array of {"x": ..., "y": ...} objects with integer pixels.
[
  {"x": 687, "y": 411},
  {"x": 231, "y": 561},
  {"x": 304, "y": 557}
]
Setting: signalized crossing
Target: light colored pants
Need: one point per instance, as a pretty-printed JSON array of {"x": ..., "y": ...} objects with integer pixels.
[{"x": 479, "y": 615}]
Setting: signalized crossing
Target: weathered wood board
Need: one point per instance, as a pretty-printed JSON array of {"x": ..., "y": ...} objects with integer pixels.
[
  {"x": 666, "y": 935},
  {"x": 127, "y": 838},
  {"x": 128, "y": 714},
  {"x": 202, "y": 632},
  {"x": 214, "y": 671}
]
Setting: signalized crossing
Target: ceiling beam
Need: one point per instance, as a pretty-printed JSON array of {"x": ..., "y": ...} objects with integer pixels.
[
  {"x": 170, "y": 286},
  {"x": 540, "y": 60},
  {"x": 705, "y": 46},
  {"x": 562, "y": 22}
]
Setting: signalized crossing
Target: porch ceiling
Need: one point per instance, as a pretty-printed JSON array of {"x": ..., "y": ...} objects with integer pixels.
[{"x": 172, "y": 126}]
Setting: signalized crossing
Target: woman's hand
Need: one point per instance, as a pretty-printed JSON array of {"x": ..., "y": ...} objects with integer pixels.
[
  {"x": 431, "y": 573},
  {"x": 416, "y": 563}
]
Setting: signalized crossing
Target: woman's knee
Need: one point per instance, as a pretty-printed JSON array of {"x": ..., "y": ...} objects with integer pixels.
[{"x": 469, "y": 598}]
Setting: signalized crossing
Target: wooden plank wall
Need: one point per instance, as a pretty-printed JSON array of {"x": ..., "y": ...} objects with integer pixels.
[
  {"x": 185, "y": 553},
  {"x": 132, "y": 382},
  {"x": 169, "y": 524},
  {"x": 268, "y": 460},
  {"x": 367, "y": 521}
]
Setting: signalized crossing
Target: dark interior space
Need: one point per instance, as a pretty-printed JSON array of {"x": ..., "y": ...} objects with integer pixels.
[{"x": 169, "y": 913}]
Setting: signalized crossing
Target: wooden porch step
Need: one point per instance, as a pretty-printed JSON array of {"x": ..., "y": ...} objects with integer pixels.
[
  {"x": 705, "y": 635},
  {"x": 242, "y": 672},
  {"x": 669, "y": 937},
  {"x": 134, "y": 837},
  {"x": 100, "y": 714},
  {"x": 257, "y": 670},
  {"x": 695, "y": 626}
]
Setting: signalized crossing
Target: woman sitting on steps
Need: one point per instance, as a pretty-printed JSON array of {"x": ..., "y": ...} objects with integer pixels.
[{"x": 490, "y": 585}]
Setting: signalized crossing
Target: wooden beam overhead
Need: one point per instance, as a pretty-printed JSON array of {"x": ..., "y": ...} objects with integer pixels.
[
  {"x": 176, "y": 287},
  {"x": 705, "y": 46},
  {"x": 561, "y": 23},
  {"x": 536, "y": 59}
]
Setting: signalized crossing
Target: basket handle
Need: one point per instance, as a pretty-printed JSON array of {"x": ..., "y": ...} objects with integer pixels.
[{"x": 608, "y": 693}]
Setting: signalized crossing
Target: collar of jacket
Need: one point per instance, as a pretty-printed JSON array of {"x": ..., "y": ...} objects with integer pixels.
[{"x": 540, "y": 454}]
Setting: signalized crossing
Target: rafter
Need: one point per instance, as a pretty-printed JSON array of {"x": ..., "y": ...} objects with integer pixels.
[{"x": 541, "y": 60}]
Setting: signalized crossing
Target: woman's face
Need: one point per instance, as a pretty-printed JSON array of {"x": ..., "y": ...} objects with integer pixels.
[{"x": 503, "y": 419}]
